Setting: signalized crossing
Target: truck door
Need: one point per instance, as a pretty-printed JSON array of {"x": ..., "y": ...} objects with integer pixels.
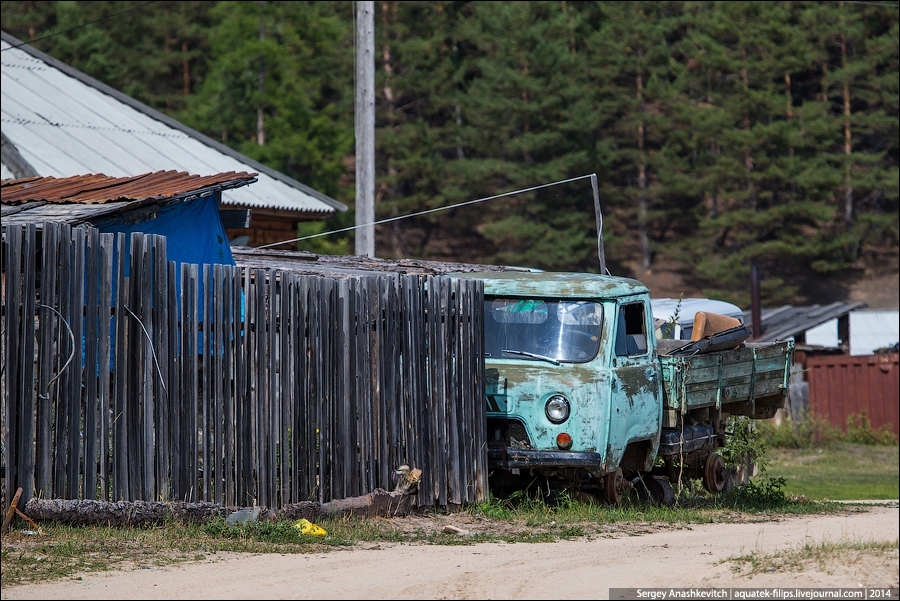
[{"x": 636, "y": 408}]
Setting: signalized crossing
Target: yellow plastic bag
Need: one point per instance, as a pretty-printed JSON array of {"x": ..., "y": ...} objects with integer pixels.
[{"x": 308, "y": 528}]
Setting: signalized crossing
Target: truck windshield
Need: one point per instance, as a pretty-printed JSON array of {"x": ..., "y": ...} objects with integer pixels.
[{"x": 540, "y": 329}]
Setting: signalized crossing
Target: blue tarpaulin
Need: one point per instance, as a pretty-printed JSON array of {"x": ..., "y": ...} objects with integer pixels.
[
  {"x": 194, "y": 235},
  {"x": 193, "y": 230}
]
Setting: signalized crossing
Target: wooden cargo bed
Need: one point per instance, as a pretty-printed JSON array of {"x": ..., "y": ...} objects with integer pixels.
[{"x": 752, "y": 380}]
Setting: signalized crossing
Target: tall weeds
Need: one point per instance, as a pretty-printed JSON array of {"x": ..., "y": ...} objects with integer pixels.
[{"x": 812, "y": 430}]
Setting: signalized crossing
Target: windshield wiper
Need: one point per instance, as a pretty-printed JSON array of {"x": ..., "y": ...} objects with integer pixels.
[{"x": 532, "y": 355}]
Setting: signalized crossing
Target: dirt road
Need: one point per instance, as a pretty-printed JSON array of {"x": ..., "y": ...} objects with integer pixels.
[{"x": 692, "y": 556}]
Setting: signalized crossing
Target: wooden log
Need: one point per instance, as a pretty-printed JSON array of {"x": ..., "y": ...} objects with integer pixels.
[
  {"x": 146, "y": 513},
  {"x": 379, "y": 502},
  {"x": 121, "y": 513}
]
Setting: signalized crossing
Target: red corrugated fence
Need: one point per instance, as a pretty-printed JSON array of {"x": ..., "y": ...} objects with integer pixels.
[{"x": 841, "y": 386}]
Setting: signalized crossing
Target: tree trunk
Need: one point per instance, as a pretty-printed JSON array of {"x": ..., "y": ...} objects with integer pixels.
[
  {"x": 379, "y": 503},
  {"x": 185, "y": 63},
  {"x": 714, "y": 194},
  {"x": 789, "y": 105},
  {"x": 119, "y": 513},
  {"x": 748, "y": 158},
  {"x": 261, "y": 84},
  {"x": 642, "y": 219},
  {"x": 643, "y": 238},
  {"x": 389, "y": 10},
  {"x": 848, "y": 188},
  {"x": 185, "y": 69}
]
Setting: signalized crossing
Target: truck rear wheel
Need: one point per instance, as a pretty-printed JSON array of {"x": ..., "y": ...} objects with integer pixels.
[{"x": 715, "y": 475}]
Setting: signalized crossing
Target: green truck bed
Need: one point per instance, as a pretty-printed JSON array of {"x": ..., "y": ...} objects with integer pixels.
[{"x": 752, "y": 380}]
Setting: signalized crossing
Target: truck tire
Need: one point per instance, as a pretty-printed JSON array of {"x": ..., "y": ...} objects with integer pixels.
[
  {"x": 661, "y": 493},
  {"x": 614, "y": 486},
  {"x": 715, "y": 474}
]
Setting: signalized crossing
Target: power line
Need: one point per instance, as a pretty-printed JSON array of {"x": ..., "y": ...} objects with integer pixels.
[
  {"x": 459, "y": 204},
  {"x": 886, "y": 4},
  {"x": 50, "y": 35}
]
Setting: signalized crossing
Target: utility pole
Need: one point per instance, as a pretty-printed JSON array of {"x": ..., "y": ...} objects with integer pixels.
[{"x": 364, "y": 116}]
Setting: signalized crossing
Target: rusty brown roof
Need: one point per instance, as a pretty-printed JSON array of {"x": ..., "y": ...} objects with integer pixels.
[{"x": 100, "y": 189}]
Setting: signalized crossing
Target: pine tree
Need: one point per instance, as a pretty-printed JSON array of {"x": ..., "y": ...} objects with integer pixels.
[
  {"x": 744, "y": 58},
  {"x": 633, "y": 78},
  {"x": 857, "y": 49},
  {"x": 279, "y": 88},
  {"x": 729, "y": 134},
  {"x": 487, "y": 99},
  {"x": 153, "y": 53}
]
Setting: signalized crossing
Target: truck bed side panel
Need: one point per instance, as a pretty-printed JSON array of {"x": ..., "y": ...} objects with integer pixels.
[{"x": 736, "y": 379}]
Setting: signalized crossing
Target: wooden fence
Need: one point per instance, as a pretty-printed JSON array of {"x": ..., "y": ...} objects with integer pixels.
[{"x": 128, "y": 377}]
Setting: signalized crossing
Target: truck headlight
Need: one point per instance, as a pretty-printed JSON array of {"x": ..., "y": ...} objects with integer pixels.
[{"x": 557, "y": 409}]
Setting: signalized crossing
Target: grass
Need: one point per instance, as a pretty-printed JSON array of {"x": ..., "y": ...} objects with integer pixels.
[
  {"x": 797, "y": 482},
  {"x": 63, "y": 551},
  {"x": 822, "y": 556},
  {"x": 839, "y": 471}
]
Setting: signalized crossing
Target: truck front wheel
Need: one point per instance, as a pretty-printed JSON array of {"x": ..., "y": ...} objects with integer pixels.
[{"x": 614, "y": 486}]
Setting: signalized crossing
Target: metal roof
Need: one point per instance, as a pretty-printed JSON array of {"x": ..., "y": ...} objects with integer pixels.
[
  {"x": 787, "y": 321},
  {"x": 498, "y": 279},
  {"x": 81, "y": 198},
  {"x": 63, "y": 123},
  {"x": 870, "y": 329},
  {"x": 348, "y": 266},
  {"x": 553, "y": 284},
  {"x": 665, "y": 308}
]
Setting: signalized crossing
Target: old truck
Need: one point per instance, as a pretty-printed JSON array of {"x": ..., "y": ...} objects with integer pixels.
[{"x": 580, "y": 392}]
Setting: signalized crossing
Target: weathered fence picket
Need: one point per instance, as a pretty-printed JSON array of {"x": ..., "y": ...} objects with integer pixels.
[{"x": 128, "y": 377}]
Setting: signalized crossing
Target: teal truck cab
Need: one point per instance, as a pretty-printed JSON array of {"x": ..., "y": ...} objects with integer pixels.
[{"x": 580, "y": 393}]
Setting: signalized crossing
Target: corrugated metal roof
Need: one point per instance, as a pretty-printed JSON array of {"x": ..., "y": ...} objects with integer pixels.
[
  {"x": 64, "y": 123},
  {"x": 101, "y": 188},
  {"x": 870, "y": 329},
  {"x": 83, "y": 198},
  {"x": 784, "y": 322}
]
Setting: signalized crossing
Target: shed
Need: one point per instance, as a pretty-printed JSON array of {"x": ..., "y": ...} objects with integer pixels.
[
  {"x": 829, "y": 378},
  {"x": 789, "y": 321},
  {"x": 60, "y": 122},
  {"x": 870, "y": 330},
  {"x": 181, "y": 206}
]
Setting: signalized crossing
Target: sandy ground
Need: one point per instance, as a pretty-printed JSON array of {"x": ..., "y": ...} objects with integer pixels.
[{"x": 694, "y": 556}]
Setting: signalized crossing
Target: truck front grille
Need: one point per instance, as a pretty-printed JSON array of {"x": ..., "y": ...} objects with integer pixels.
[{"x": 507, "y": 432}]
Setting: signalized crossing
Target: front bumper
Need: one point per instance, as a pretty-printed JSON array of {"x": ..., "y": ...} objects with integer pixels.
[{"x": 509, "y": 458}]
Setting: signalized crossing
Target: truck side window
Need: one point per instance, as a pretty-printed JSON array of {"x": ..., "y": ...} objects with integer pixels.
[{"x": 631, "y": 335}]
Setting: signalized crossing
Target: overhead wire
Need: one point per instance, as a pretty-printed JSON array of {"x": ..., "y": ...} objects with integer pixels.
[
  {"x": 85, "y": 24},
  {"x": 427, "y": 211},
  {"x": 885, "y": 4}
]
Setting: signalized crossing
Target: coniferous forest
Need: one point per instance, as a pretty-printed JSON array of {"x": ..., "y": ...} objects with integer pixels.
[{"x": 723, "y": 134}]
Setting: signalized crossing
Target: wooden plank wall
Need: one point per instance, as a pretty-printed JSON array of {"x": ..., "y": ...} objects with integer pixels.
[{"x": 128, "y": 377}]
